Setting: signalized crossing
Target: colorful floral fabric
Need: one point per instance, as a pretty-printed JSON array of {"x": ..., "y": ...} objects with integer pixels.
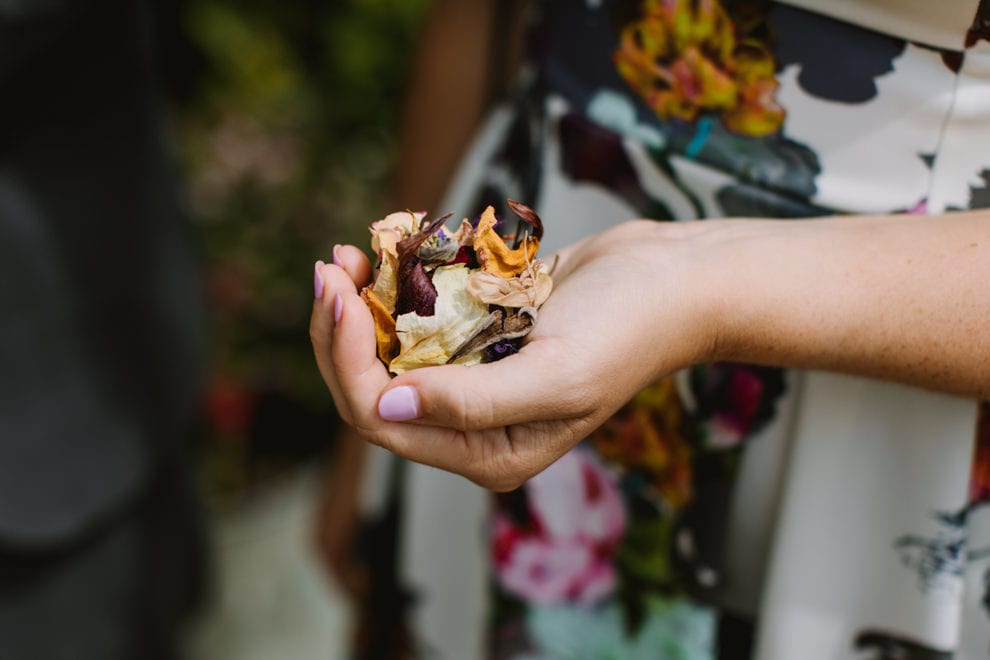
[
  {"x": 677, "y": 109},
  {"x": 737, "y": 511}
]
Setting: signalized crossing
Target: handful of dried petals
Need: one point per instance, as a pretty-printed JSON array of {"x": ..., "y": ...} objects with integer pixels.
[{"x": 464, "y": 297}]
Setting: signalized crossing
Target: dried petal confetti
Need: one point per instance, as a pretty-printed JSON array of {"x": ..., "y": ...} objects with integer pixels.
[{"x": 463, "y": 297}]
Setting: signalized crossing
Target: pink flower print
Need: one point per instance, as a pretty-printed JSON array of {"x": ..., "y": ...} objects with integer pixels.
[
  {"x": 565, "y": 556},
  {"x": 734, "y": 421},
  {"x": 576, "y": 498}
]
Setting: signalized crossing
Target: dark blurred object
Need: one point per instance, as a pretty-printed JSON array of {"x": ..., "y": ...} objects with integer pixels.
[{"x": 101, "y": 347}]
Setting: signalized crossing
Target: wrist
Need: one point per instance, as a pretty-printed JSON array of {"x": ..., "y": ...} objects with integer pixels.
[
  {"x": 707, "y": 264},
  {"x": 725, "y": 265},
  {"x": 690, "y": 289}
]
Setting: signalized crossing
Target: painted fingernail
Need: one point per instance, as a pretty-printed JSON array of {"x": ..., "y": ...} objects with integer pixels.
[
  {"x": 318, "y": 281},
  {"x": 336, "y": 258},
  {"x": 399, "y": 404},
  {"x": 338, "y": 307}
]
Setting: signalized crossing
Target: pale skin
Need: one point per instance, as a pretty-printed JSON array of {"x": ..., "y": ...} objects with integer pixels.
[{"x": 899, "y": 298}]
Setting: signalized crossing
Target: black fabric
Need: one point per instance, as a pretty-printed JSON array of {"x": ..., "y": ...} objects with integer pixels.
[
  {"x": 100, "y": 343},
  {"x": 119, "y": 595},
  {"x": 736, "y": 637},
  {"x": 101, "y": 321}
]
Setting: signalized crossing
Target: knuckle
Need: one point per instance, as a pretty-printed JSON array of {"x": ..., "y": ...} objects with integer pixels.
[
  {"x": 500, "y": 472},
  {"x": 578, "y": 399},
  {"x": 498, "y": 483},
  {"x": 467, "y": 410},
  {"x": 315, "y": 335}
]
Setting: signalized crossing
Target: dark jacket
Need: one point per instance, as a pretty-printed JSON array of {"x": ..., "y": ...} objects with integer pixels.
[{"x": 100, "y": 304}]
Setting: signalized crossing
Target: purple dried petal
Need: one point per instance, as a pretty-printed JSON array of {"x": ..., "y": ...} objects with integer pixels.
[
  {"x": 499, "y": 329},
  {"x": 501, "y": 349},
  {"x": 416, "y": 292}
]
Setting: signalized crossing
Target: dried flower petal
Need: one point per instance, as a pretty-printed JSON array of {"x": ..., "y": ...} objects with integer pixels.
[
  {"x": 530, "y": 289},
  {"x": 498, "y": 329},
  {"x": 388, "y": 341},
  {"x": 386, "y": 283},
  {"x": 438, "y": 252},
  {"x": 385, "y": 236},
  {"x": 528, "y": 216},
  {"x": 464, "y": 297},
  {"x": 494, "y": 255},
  {"x": 431, "y": 340},
  {"x": 415, "y": 290},
  {"x": 465, "y": 233},
  {"x": 391, "y": 229}
]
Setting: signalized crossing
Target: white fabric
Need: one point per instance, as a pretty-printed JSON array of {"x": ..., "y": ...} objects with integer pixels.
[{"x": 942, "y": 24}]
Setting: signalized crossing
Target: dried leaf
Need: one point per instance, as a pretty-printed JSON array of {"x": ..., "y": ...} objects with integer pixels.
[
  {"x": 494, "y": 255},
  {"x": 431, "y": 340},
  {"x": 388, "y": 341}
]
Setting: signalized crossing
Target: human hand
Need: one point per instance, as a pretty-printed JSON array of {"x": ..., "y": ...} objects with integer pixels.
[{"x": 624, "y": 312}]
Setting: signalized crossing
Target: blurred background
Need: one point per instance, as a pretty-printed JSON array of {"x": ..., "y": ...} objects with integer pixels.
[{"x": 284, "y": 119}]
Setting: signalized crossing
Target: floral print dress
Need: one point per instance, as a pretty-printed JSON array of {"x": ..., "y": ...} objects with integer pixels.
[{"x": 730, "y": 511}]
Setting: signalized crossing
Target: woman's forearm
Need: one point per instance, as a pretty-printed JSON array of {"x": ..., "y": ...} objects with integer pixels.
[{"x": 903, "y": 298}]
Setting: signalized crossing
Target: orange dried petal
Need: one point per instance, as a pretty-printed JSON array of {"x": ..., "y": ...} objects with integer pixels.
[
  {"x": 388, "y": 341},
  {"x": 494, "y": 255}
]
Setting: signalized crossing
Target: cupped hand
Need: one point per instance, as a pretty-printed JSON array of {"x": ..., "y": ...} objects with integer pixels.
[{"x": 626, "y": 309}]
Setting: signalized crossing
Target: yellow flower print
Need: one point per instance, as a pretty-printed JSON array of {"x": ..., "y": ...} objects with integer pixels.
[
  {"x": 684, "y": 58},
  {"x": 647, "y": 435}
]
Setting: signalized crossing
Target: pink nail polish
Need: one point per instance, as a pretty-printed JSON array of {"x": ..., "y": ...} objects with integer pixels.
[
  {"x": 338, "y": 308},
  {"x": 336, "y": 259},
  {"x": 318, "y": 281},
  {"x": 399, "y": 404}
]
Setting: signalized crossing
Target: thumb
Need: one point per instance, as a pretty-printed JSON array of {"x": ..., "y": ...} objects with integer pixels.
[{"x": 529, "y": 386}]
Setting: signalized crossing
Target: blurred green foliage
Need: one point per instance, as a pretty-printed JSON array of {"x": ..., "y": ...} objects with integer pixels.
[{"x": 286, "y": 126}]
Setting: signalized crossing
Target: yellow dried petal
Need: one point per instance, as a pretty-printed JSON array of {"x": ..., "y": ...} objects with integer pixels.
[
  {"x": 494, "y": 255},
  {"x": 386, "y": 284},
  {"x": 385, "y": 336}
]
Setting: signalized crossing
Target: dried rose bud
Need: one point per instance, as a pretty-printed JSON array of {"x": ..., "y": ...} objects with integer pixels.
[{"x": 461, "y": 297}]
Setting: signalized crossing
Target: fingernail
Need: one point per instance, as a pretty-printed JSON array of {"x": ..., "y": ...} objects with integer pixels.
[
  {"x": 318, "y": 281},
  {"x": 338, "y": 307},
  {"x": 336, "y": 259},
  {"x": 399, "y": 404}
]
